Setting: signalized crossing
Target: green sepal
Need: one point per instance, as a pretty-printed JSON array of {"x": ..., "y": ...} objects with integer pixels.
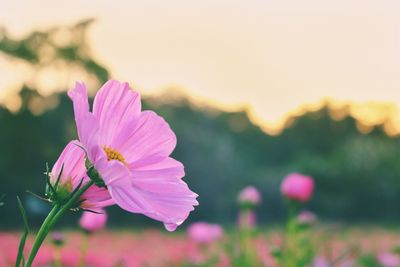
[{"x": 94, "y": 175}]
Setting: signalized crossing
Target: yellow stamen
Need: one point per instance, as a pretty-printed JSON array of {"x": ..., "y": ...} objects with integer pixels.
[{"x": 113, "y": 154}]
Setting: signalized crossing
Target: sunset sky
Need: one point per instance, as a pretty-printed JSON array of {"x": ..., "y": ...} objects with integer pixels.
[{"x": 270, "y": 56}]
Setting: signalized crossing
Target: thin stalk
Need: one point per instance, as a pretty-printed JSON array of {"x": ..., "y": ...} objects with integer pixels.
[
  {"x": 57, "y": 257},
  {"x": 44, "y": 229},
  {"x": 51, "y": 219},
  {"x": 290, "y": 257}
]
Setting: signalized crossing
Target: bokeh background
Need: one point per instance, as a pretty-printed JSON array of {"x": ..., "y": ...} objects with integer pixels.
[{"x": 253, "y": 89}]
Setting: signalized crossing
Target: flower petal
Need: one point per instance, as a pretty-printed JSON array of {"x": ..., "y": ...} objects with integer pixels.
[
  {"x": 97, "y": 197},
  {"x": 158, "y": 194},
  {"x": 72, "y": 164},
  {"x": 114, "y": 173},
  {"x": 151, "y": 138},
  {"x": 115, "y": 106},
  {"x": 86, "y": 124},
  {"x": 152, "y": 168}
]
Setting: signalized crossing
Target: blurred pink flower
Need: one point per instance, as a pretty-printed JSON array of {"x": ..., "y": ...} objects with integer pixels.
[
  {"x": 297, "y": 187},
  {"x": 224, "y": 261},
  {"x": 320, "y": 262},
  {"x": 44, "y": 257},
  {"x": 347, "y": 263},
  {"x": 130, "y": 150},
  {"x": 70, "y": 257},
  {"x": 306, "y": 217},
  {"x": 93, "y": 222},
  {"x": 103, "y": 259},
  {"x": 205, "y": 233},
  {"x": 249, "y": 195},
  {"x": 72, "y": 164},
  {"x": 57, "y": 238},
  {"x": 387, "y": 259}
]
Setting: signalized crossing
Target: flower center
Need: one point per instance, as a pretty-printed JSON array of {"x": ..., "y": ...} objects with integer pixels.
[{"x": 113, "y": 154}]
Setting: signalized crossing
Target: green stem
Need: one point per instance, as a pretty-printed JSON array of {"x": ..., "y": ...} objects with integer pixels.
[
  {"x": 51, "y": 219},
  {"x": 290, "y": 257},
  {"x": 57, "y": 257},
  {"x": 44, "y": 229}
]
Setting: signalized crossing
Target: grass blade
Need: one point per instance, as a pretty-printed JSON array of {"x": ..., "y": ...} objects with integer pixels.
[{"x": 20, "y": 256}]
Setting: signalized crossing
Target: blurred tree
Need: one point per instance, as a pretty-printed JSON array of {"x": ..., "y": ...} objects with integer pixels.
[{"x": 60, "y": 47}]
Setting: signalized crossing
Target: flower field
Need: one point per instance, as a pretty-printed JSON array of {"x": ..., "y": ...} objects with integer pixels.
[{"x": 153, "y": 248}]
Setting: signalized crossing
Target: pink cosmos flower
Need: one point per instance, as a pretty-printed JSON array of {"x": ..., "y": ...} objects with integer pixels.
[
  {"x": 93, "y": 222},
  {"x": 70, "y": 257},
  {"x": 321, "y": 262},
  {"x": 297, "y": 187},
  {"x": 387, "y": 259},
  {"x": 205, "y": 233},
  {"x": 250, "y": 195},
  {"x": 44, "y": 257},
  {"x": 130, "y": 150},
  {"x": 72, "y": 164}
]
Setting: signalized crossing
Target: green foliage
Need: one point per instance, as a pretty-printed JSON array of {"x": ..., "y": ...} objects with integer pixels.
[
  {"x": 298, "y": 246},
  {"x": 20, "y": 257},
  {"x": 368, "y": 260}
]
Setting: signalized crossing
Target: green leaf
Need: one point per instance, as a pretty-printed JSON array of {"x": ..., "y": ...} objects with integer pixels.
[{"x": 20, "y": 256}]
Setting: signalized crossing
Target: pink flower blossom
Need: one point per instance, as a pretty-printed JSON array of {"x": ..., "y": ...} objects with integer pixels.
[
  {"x": 44, "y": 257},
  {"x": 205, "y": 233},
  {"x": 387, "y": 259},
  {"x": 297, "y": 187},
  {"x": 93, "y": 222},
  {"x": 130, "y": 150},
  {"x": 321, "y": 262},
  {"x": 70, "y": 257},
  {"x": 249, "y": 195},
  {"x": 72, "y": 164}
]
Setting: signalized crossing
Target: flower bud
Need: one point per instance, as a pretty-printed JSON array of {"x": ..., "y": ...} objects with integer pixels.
[
  {"x": 93, "y": 222},
  {"x": 297, "y": 187}
]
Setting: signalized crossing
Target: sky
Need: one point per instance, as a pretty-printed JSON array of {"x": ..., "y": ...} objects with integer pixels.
[{"x": 267, "y": 56}]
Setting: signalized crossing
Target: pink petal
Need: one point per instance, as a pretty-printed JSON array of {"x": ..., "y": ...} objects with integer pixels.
[
  {"x": 114, "y": 173},
  {"x": 97, "y": 197},
  {"x": 115, "y": 106},
  {"x": 151, "y": 138},
  {"x": 72, "y": 164},
  {"x": 86, "y": 124},
  {"x": 160, "y": 196},
  {"x": 154, "y": 168}
]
